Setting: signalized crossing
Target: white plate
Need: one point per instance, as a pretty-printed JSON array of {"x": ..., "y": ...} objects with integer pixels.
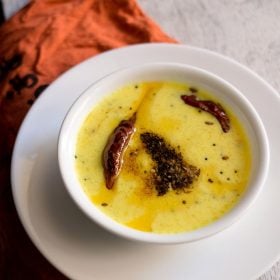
[{"x": 81, "y": 249}]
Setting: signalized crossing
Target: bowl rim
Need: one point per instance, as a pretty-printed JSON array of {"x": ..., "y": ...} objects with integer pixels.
[{"x": 224, "y": 221}]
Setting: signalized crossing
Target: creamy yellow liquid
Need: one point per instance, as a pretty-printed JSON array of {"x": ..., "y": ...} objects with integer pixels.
[{"x": 133, "y": 201}]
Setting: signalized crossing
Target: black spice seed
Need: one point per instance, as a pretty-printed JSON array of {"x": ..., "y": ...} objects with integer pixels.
[
  {"x": 199, "y": 111},
  {"x": 221, "y": 172},
  {"x": 210, "y": 180},
  {"x": 184, "y": 201},
  {"x": 225, "y": 157},
  {"x": 136, "y": 86},
  {"x": 228, "y": 178},
  {"x": 130, "y": 108},
  {"x": 206, "y": 158},
  {"x": 104, "y": 204},
  {"x": 193, "y": 90},
  {"x": 208, "y": 123},
  {"x": 214, "y": 144},
  {"x": 76, "y": 156},
  {"x": 235, "y": 171}
]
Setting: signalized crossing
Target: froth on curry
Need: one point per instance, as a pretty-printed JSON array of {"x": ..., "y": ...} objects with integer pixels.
[{"x": 163, "y": 157}]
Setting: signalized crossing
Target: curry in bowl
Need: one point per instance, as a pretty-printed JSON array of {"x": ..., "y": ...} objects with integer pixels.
[{"x": 163, "y": 157}]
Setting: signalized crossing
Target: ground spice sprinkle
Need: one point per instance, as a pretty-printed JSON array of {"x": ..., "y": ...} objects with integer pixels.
[{"x": 170, "y": 171}]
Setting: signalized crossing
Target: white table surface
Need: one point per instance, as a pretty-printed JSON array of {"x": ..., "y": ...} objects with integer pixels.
[{"x": 246, "y": 30}]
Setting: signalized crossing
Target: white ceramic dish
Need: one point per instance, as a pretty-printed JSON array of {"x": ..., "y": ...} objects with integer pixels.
[
  {"x": 196, "y": 77},
  {"x": 82, "y": 250}
]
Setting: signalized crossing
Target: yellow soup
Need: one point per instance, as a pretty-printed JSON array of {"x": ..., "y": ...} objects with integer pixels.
[{"x": 224, "y": 159}]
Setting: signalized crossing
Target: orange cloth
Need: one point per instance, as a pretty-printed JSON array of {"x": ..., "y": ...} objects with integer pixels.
[{"x": 39, "y": 43}]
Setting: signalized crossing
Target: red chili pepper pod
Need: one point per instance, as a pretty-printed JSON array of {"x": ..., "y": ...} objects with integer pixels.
[
  {"x": 114, "y": 150},
  {"x": 211, "y": 107}
]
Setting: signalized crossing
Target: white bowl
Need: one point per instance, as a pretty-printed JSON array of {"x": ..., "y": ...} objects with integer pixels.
[{"x": 155, "y": 72}]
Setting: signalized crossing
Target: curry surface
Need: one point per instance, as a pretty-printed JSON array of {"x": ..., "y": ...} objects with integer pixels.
[{"x": 224, "y": 159}]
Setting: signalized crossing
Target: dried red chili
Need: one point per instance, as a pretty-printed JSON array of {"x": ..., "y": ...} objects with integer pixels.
[
  {"x": 115, "y": 148},
  {"x": 211, "y": 107}
]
